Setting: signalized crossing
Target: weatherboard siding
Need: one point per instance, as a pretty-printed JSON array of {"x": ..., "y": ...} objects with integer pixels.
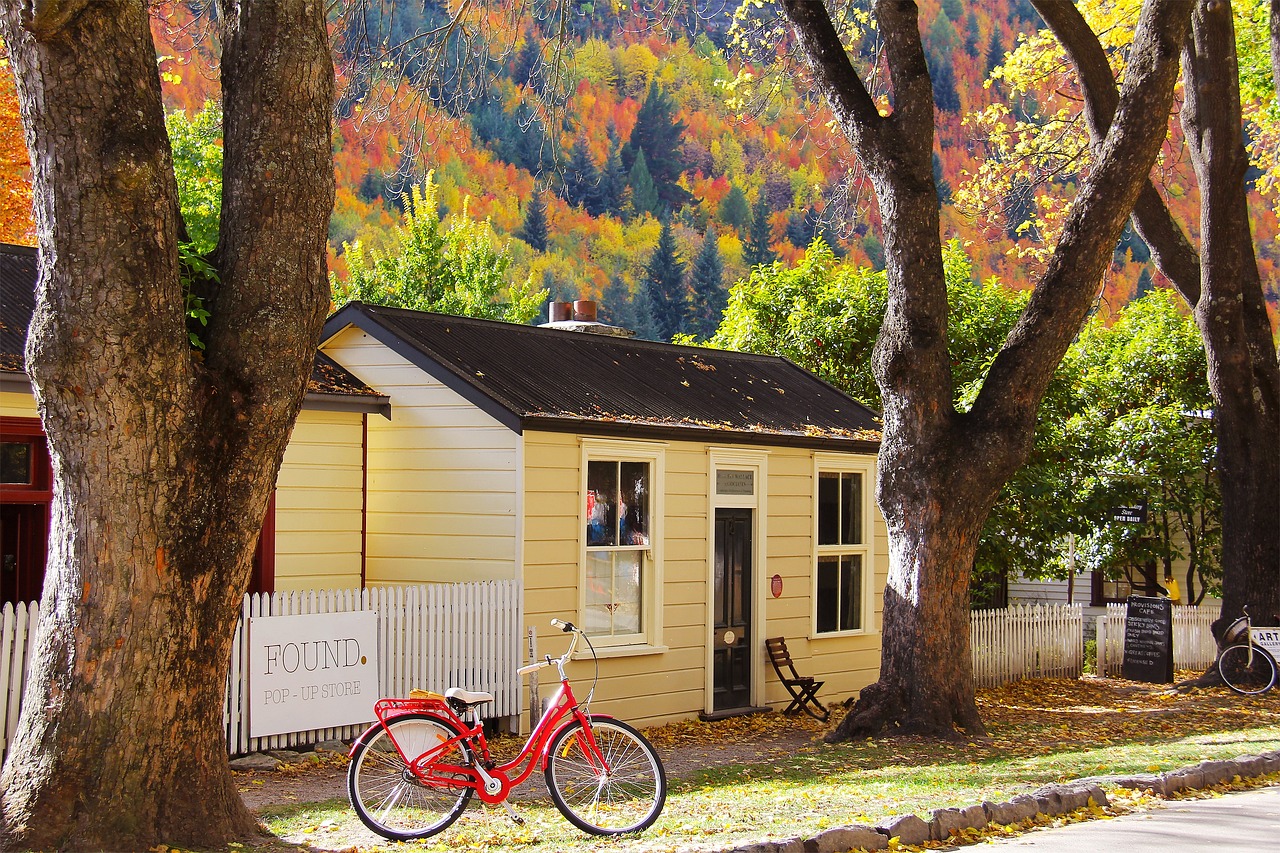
[
  {"x": 669, "y": 683},
  {"x": 318, "y": 503},
  {"x": 15, "y": 404},
  {"x": 442, "y": 476}
]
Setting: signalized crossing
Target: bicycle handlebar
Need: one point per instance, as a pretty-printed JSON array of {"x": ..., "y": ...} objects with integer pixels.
[{"x": 548, "y": 660}]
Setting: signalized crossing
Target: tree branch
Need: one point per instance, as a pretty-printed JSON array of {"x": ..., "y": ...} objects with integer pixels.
[
  {"x": 845, "y": 92},
  {"x": 1023, "y": 367},
  {"x": 1173, "y": 253}
]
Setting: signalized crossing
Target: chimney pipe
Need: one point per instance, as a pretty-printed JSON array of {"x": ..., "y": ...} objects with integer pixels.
[
  {"x": 559, "y": 312},
  {"x": 584, "y": 311}
]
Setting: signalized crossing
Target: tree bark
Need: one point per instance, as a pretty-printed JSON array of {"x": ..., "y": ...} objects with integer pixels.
[
  {"x": 163, "y": 463},
  {"x": 940, "y": 469},
  {"x": 1221, "y": 284}
]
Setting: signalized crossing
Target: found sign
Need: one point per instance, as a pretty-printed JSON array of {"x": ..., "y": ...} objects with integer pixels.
[
  {"x": 314, "y": 671},
  {"x": 1148, "y": 640}
]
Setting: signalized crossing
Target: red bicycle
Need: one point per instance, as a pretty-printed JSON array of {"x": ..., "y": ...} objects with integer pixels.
[{"x": 414, "y": 771}]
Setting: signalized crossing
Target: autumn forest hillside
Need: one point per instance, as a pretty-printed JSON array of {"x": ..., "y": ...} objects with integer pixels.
[{"x": 637, "y": 121}]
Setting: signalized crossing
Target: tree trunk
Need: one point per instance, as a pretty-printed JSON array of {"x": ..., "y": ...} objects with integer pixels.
[
  {"x": 1222, "y": 286},
  {"x": 163, "y": 463},
  {"x": 941, "y": 470},
  {"x": 1244, "y": 375}
]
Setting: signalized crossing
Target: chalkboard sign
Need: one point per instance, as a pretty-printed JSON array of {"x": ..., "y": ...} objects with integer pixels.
[{"x": 1148, "y": 640}]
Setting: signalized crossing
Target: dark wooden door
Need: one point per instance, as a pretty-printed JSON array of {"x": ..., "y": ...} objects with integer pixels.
[
  {"x": 731, "y": 638},
  {"x": 24, "y": 540}
]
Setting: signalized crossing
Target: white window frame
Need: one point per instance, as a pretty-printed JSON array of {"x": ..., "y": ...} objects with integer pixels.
[
  {"x": 649, "y": 639},
  {"x": 831, "y": 464}
]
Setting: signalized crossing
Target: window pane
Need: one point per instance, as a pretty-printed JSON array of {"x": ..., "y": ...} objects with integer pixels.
[
  {"x": 828, "y": 508},
  {"x": 851, "y": 592},
  {"x": 602, "y": 497},
  {"x": 828, "y": 593},
  {"x": 15, "y": 462},
  {"x": 626, "y": 591},
  {"x": 614, "y": 592},
  {"x": 597, "y": 618},
  {"x": 633, "y": 503},
  {"x": 851, "y": 509}
]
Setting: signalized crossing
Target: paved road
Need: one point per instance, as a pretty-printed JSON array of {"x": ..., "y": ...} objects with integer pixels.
[{"x": 1246, "y": 822}]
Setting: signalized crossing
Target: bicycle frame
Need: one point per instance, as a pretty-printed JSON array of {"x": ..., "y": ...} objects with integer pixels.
[{"x": 491, "y": 781}]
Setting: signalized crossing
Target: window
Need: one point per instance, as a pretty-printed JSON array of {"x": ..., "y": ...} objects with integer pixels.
[
  {"x": 843, "y": 553},
  {"x": 619, "y": 573},
  {"x": 16, "y": 468}
]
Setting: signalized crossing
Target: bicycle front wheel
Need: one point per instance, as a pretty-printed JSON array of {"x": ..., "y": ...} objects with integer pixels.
[
  {"x": 619, "y": 787},
  {"x": 1246, "y": 672},
  {"x": 386, "y": 794}
]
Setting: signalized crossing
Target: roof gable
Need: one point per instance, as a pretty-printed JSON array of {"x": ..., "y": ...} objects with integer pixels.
[{"x": 538, "y": 378}]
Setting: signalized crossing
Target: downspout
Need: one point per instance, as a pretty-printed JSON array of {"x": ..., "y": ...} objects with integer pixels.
[{"x": 364, "y": 494}]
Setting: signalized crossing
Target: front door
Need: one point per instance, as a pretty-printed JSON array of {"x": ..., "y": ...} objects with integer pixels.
[{"x": 731, "y": 640}]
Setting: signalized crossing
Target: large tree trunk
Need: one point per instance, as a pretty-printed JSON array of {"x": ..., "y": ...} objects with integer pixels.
[
  {"x": 1244, "y": 375},
  {"x": 1220, "y": 283},
  {"x": 163, "y": 463},
  {"x": 941, "y": 470}
]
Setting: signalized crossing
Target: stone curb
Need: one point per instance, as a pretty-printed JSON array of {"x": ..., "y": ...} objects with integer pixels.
[{"x": 1051, "y": 800}]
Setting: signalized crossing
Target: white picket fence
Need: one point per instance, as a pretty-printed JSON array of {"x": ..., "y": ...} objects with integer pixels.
[
  {"x": 1193, "y": 643},
  {"x": 432, "y": 636},
  {"x": 1026, "y": 641},
  {"x": 17, "y": 630}
]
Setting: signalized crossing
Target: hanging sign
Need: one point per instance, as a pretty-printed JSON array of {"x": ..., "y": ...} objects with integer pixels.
[
  {"x": 775, "y": 585},
  {"x": 1135, "y": 514}
]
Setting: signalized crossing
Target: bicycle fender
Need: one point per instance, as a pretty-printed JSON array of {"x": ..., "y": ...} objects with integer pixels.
[{"x": 364, "y": 736}]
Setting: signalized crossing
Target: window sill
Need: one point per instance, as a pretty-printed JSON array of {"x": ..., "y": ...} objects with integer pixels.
[
  {"x": 622, "y": 651},
  {"x": 836, "y": 635}
]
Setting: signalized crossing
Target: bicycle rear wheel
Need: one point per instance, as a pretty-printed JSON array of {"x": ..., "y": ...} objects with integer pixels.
[
  {"x": 385, "y": 793},
  {"x": 1247, "y": 673},
  {"x": 626, "y": 798}
]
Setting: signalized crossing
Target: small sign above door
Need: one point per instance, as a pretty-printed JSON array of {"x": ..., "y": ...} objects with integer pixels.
[{"x": 730, "y": 482}]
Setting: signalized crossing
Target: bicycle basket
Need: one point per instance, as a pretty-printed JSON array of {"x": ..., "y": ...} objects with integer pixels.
[{"x": 1236, "y": 631}]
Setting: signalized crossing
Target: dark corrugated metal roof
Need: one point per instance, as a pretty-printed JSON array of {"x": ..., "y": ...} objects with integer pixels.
[
  {"x": 17, "y": 302},
  {"x": 548, "y": 378}
]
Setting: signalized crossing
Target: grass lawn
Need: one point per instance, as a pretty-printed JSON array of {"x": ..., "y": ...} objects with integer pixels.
[{"x": 1039, "y": 732}]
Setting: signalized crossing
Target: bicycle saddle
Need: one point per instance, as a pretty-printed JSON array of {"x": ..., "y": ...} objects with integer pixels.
[{"x": 467, "y": 697}]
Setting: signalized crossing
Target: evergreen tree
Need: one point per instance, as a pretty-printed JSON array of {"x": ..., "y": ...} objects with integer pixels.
[
  {"x": 664, "y": 286},
  {"x": 613, "y": 177},
  {"x": 1145, "y": 285},
  {"x": 995, "y": 51},
  {"x": 616, "y": 305},
  {"x": 534, "y": 229},
  {"x": 657, "y": 134},
  {"x": 581, "y": 180},
  {"x": 644, "y": 195},
  {"x": 527, "y": 70},
  {"x": 940, "y": 183},
  {"x": 734, "y": 210},
  {"x": 757, "y": 250},
  {"x": 943, "y": 75},
  {"x": 971, "y": 45},
  {"x": 707, "y": 293}
]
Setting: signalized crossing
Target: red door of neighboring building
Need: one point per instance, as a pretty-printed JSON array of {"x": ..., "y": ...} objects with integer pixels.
[{"x": 26, "y": 490}]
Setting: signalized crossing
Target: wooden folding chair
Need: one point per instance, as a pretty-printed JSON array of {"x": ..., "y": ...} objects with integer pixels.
[{"x": 803, "y": 688}]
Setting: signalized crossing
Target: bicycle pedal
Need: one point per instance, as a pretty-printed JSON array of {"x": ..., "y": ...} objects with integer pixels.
[{"x": 511, "y": 813}]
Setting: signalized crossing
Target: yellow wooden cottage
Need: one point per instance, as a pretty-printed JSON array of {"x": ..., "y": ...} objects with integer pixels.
[{"x": 682, "y": 504}]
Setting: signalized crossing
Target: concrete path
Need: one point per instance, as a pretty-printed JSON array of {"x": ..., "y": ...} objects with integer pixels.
[{"x": 1245, "y": 822}]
